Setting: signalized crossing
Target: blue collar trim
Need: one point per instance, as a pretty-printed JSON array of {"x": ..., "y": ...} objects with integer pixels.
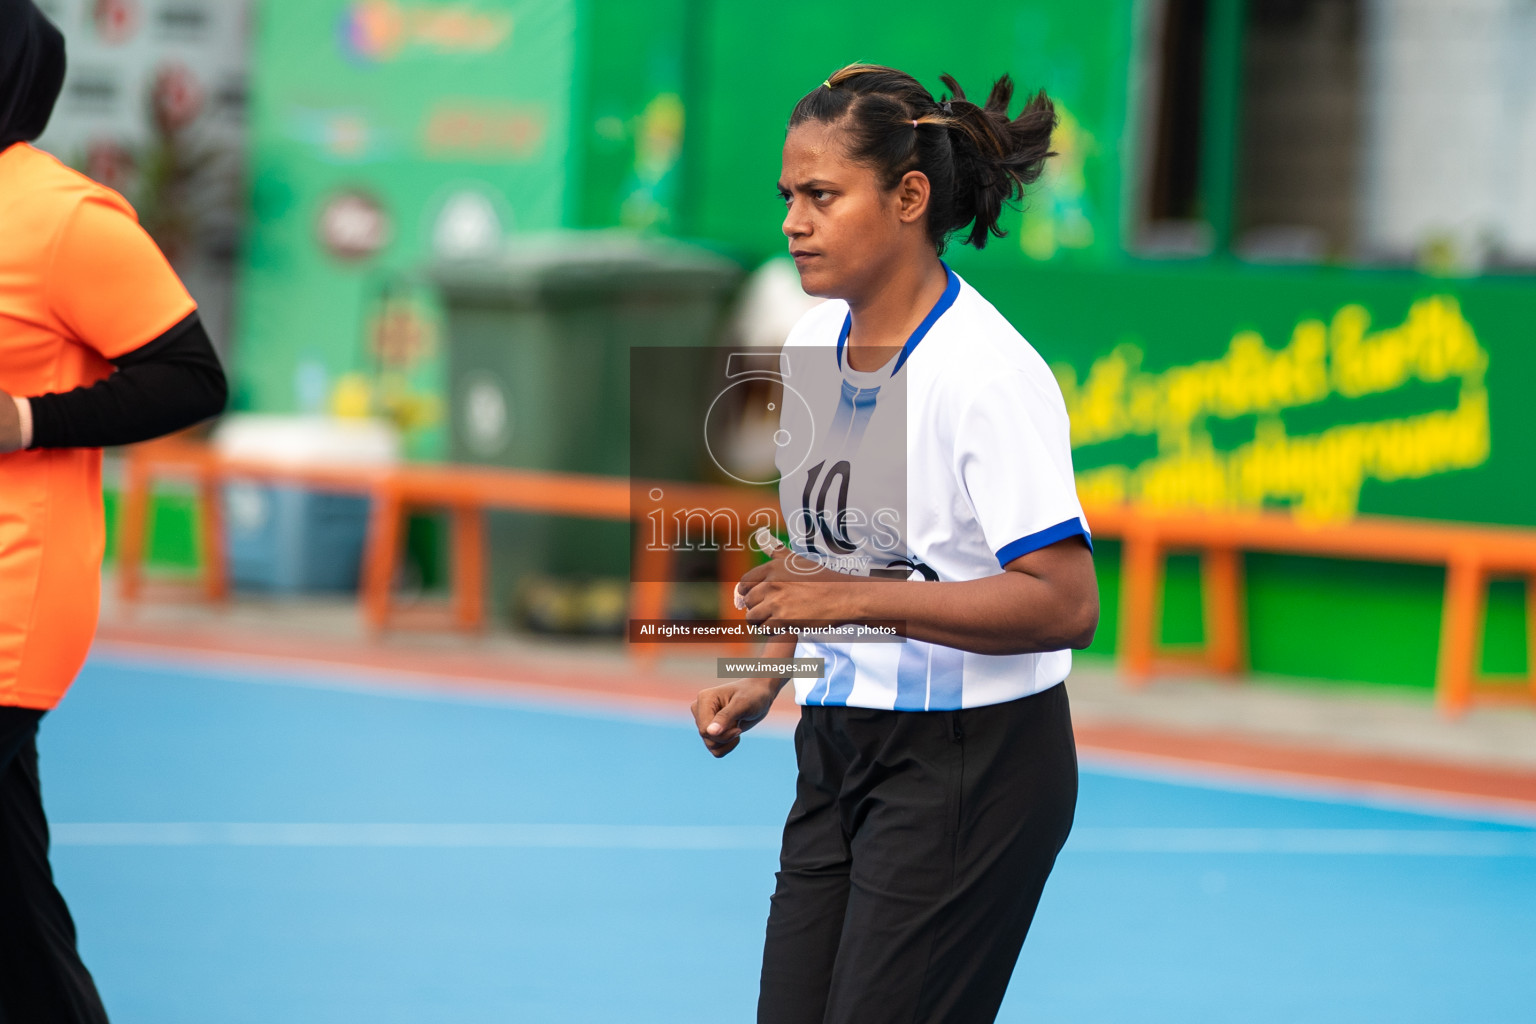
[{"x": 951, "y": 293}]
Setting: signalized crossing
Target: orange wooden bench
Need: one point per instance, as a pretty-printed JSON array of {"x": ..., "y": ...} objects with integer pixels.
[
  {"x": 466, "y": 492},
  {"x": 1472, "y": 557}
]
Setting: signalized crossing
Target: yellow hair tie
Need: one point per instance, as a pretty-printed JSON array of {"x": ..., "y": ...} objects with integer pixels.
[{"x": 826, "y": 83}]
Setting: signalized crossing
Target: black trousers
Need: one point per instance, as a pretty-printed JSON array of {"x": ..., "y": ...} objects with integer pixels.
[
  {"x": 42, "y": 980},
  {"x": 913, "y": 859}
]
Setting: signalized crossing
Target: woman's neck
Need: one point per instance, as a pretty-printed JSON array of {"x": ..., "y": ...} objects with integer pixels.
[{"x": 884, "y": 319}]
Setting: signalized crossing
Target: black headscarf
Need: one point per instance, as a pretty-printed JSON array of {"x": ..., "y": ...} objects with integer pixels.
[{"x": 31, "y": 71}]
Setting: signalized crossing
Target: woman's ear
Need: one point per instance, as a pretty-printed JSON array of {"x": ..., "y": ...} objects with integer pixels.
[{"x": 912, "y": 197}]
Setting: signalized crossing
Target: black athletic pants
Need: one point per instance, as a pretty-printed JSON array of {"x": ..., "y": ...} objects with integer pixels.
[
  {"x": 42, "y": 980},
  {"x": 913, "y": 859}
]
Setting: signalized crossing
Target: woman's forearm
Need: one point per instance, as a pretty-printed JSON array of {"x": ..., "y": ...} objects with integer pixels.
[
  {"x": 774, "y": 650},
  {"x": 170, "y": 383},
  {"x": 778, "y": 647},
  {"x": 1014, "y": 612}
]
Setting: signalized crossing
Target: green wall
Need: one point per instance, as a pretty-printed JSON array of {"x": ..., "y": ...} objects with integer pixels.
[
  {"x": 172, "y": 544},
  {"x": 1081, "y": 53},
  {"x": 630, "y": 113}
]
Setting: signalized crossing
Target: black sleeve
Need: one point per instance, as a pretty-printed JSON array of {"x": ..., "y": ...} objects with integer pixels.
[{"x": 172, "y": 382}]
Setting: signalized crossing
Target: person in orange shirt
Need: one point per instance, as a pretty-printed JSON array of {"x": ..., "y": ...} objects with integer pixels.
[{"x": 100, "y": 344}]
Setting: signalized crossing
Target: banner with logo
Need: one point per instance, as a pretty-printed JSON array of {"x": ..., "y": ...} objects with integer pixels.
[{"x": 386, "y": 134}]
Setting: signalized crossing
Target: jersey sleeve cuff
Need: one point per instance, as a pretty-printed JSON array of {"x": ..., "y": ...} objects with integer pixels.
[{"x": 1044, "y": 538}]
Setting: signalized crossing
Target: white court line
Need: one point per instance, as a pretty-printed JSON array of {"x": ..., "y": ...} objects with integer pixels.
[{"x": 1310, "y": 841}]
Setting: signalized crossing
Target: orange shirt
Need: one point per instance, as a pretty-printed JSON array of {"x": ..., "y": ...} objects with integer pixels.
[{"x": 80, "y": 283}]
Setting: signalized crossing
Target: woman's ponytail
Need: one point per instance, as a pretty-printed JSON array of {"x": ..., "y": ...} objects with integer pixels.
[{"x": 995, "y": 156}]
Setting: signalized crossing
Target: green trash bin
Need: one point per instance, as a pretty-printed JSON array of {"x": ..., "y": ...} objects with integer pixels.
[{"x": 539, "y": 341}]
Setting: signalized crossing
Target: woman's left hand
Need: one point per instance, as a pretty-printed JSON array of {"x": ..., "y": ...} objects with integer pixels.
[
  {"x": 10, "y": 424},
  {"x": 791, "y": 587}
]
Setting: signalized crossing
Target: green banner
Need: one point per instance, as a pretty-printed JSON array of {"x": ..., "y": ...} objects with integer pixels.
[{"x": 1326, "y": 393}]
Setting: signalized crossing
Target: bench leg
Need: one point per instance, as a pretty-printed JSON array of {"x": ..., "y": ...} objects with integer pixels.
[
  {"x": 1141, "y": 571},
  {"x": 1226, "y": 642},
  {"x": 1461, "y": 624},
  {"x": 468, "y": 567},
  {"x": 211, "y": 531},
  {"x": 132, "y": 525},
  {"x": 649, "y": 590},
  {"x": 381, "y": 557}
]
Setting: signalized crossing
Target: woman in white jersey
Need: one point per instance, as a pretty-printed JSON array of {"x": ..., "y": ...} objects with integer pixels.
[{"x": 927, "y": 481}]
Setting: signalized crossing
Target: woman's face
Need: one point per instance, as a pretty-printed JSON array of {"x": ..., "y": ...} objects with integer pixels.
[{"x": 844, "y": 229}]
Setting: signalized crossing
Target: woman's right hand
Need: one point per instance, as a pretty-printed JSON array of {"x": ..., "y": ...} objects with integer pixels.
[{"x": 724, "y": 712}]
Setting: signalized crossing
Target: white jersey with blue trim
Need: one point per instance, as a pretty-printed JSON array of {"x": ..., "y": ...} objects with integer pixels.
[{"x": 945, "y": 464}]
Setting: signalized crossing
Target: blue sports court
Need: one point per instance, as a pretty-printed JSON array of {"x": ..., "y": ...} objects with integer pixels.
[{"x": 247, "y": 844}]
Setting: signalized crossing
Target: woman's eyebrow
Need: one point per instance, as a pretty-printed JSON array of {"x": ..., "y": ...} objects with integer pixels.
[{"x": 805, "y": 186}]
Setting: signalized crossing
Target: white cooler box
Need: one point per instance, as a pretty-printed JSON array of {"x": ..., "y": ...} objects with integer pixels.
[{"x": 290, "y": 539}]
